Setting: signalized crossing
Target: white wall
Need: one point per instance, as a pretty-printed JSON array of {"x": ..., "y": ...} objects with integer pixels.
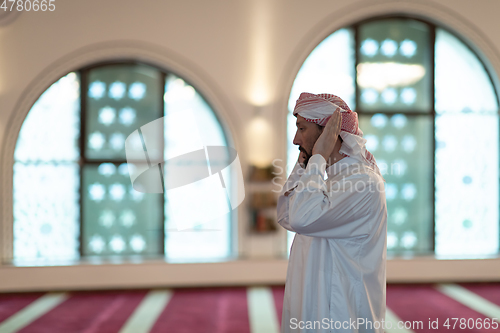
[{"x": 238, "y": 53}]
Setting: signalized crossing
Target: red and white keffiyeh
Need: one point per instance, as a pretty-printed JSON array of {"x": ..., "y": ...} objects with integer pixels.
[{"x": 319, "y": 108}]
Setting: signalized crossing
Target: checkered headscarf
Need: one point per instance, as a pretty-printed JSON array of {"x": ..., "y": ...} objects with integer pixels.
[{"x": 319, "y": 108}]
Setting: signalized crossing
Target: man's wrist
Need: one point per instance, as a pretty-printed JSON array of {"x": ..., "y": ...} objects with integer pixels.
[{"x": 317, "y": 164}]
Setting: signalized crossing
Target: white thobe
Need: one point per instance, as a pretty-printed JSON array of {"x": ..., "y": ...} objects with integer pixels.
[{"x": 336, "y": 271}]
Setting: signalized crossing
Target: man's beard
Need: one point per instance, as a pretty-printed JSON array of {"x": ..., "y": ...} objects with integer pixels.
[{"x": 307, "y": 157}]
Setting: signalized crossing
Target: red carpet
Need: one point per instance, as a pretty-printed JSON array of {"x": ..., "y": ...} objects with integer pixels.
[
  {"x": 223, "y": 310},
  {"x": 424, "y": 303},
  {"x": 278, "y": 294},
  {"x": 89, "y": 312},
  {"x": 489, "y": 291},
  {"x": 218, "y": 310},
  {"x": 11, "y": 303}
]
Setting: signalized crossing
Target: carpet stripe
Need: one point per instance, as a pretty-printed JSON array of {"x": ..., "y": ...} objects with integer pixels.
[
  {"x": 11, "y": 303},
  {"x": 147, "y": 312},
  {"x": 423, "y": 305},
  {"x": 89, "y": 312},
  {"x": 392, "y": 322},
  {"x": 487, "y": 290},
  {"x": 113, "y": 309},
  {"x": 470, "y": 299},
  {"x": 261, "y": 311},
  {"x": 103, "y": 316},
  {"x": 32, "y": 312},
  {"x": 213, "y": 309},
  {"x": 279, "y": 296}
]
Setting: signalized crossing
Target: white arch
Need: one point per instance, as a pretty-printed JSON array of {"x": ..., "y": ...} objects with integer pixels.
[
  {"x": 429, "y": 11},
  {"x": 101, "y": 52}
]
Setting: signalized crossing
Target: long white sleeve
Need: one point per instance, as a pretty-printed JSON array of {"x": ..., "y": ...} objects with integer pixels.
[
  {"x": 344, "y": 209},
  {"x": 282, "y": 207},
  {"x": 337, "y": 264}
]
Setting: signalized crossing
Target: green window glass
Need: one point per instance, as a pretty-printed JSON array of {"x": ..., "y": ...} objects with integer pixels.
[
  {"x": 83, "y": 204},
  {"x": 402, "y": 146},
  {"x": 393, "y": 72},
  {"x": 421, "y": 117}
]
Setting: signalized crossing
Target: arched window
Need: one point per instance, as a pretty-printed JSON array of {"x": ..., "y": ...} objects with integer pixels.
[
  {"x": 73, "y": 197},
  {"x": 429, "y": 112}
]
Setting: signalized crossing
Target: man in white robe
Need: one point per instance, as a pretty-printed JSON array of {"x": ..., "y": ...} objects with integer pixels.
[{"x": 336, "y": 273}]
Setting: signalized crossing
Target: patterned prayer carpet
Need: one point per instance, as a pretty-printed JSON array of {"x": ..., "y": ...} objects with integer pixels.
[{"x": 410, "y": 308}]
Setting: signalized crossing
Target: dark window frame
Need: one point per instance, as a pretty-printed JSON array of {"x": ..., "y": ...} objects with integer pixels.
[
  {"x": 84, "y": 86},
  {"x": 432, "y": 112}
]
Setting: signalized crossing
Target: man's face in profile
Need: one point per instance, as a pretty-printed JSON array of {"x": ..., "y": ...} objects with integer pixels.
[{"x": 305, "y": 137}]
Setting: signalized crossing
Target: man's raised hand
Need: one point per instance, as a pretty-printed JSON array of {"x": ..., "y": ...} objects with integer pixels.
[
  {"x": 326, "y": 141},
  {"x": 302, "y": 159}
]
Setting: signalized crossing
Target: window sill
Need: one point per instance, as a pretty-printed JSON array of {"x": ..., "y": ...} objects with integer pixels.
[{"x": 242, "y": 272}]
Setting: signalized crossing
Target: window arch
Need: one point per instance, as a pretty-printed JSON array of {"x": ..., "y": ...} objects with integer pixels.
[
  {"x": 429, "y": 111},
  {"x": 73, "y": 197}
]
